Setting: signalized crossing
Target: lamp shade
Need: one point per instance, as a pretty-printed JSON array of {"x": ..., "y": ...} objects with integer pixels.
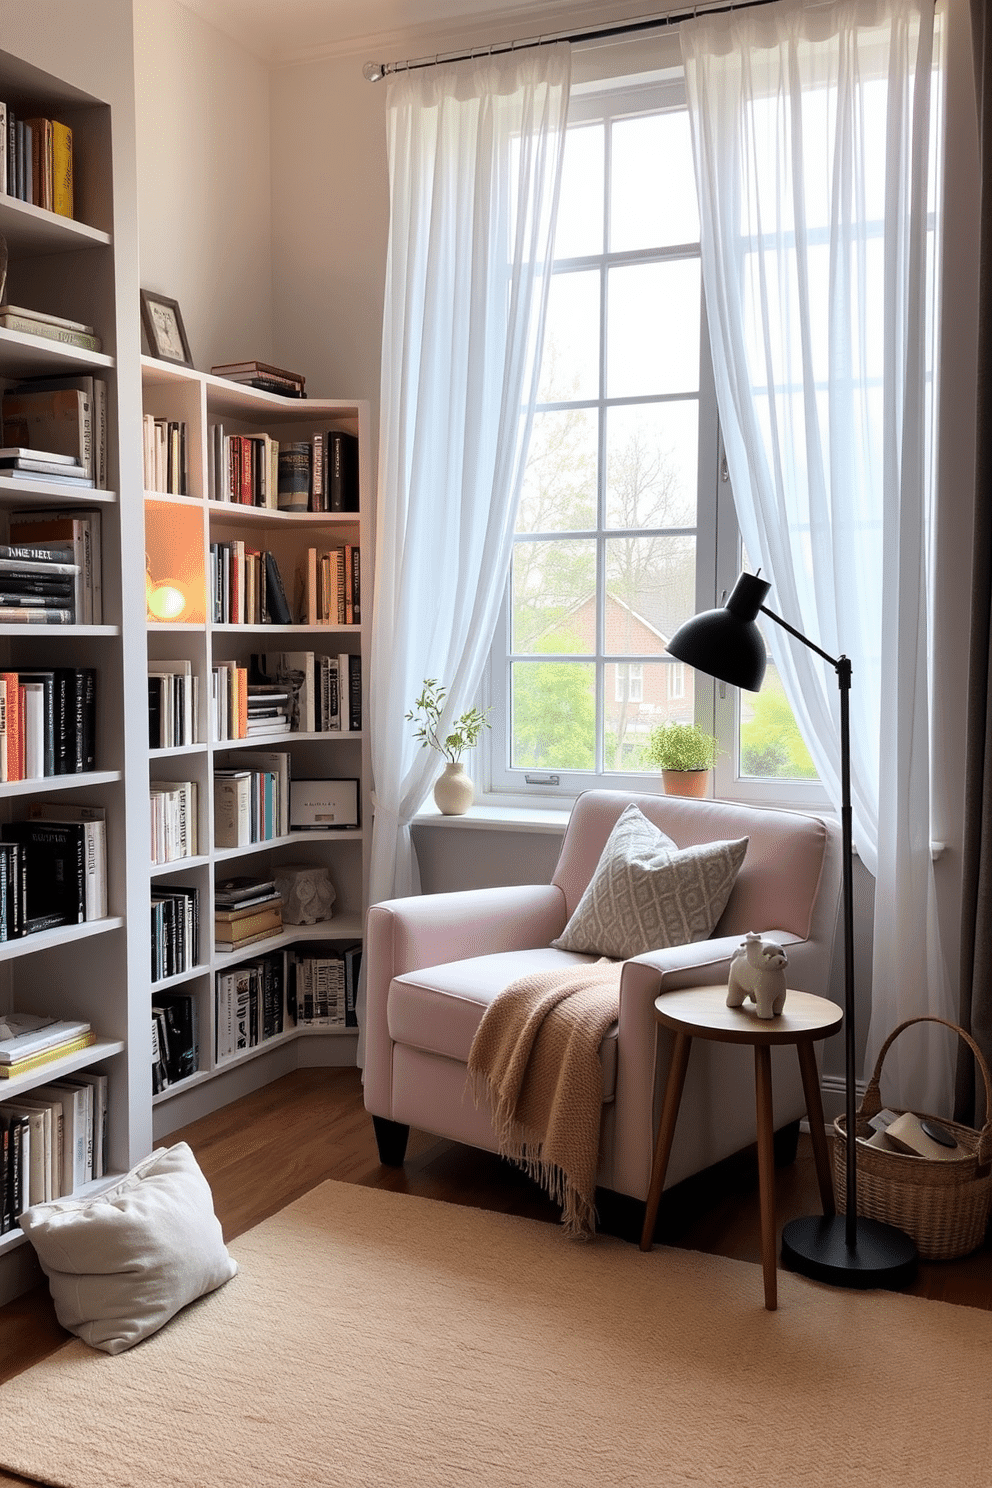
[{"x": 726, "y": 643}]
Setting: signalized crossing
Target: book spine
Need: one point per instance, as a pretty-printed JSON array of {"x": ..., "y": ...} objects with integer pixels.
[
  {"x": 26, "y": 326},
  {"x": 62, "y": 169}
]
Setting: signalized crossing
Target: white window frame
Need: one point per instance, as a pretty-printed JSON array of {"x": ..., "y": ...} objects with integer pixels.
[{"x": 717, "y": 565}]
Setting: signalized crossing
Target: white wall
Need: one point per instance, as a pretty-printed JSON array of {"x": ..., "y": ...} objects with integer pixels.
[
  {"x": 326, "y": 232},
  {"x": 204, "y": 181}
]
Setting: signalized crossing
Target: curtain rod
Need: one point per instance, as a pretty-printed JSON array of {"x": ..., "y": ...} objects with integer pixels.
[{"x": 374, "y": 71}]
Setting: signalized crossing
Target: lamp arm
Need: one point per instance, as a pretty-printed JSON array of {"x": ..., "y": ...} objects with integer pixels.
[{"x": 833, "y": 660}]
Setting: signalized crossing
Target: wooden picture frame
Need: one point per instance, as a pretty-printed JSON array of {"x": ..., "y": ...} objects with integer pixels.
[{"x": 163, "y": 323}]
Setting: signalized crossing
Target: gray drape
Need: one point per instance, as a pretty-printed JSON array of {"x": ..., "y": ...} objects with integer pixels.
[{"x": 976, "y": 884}]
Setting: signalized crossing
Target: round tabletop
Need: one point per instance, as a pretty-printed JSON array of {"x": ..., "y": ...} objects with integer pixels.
[{"x": 702, "y": 1012}]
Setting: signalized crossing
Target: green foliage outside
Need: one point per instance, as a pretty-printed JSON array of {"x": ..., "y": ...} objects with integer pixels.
[
  {"x": 554, "y": 711},
  {"x": 771, "y": 744}
]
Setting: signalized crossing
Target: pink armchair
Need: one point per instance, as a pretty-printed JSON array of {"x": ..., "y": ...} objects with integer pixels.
[{"x": 435, "y": 962}]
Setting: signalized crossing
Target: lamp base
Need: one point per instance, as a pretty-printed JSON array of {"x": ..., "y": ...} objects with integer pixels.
[{"x": 882, "y": 1256}]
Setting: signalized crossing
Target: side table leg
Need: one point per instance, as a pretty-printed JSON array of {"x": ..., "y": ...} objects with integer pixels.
[
  {"x": 666, "y": 1131},
  {"x": 766, "y": 1169},
  {"x": 814, "y": 1110}
]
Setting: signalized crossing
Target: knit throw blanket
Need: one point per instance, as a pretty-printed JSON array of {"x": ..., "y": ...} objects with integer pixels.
[{"x": 536, "y": 1055}]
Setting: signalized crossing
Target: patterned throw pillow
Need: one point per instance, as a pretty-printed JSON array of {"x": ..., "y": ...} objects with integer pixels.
[{"x": 647, "y": 893}]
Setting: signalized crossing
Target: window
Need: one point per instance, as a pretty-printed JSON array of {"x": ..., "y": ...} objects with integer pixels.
[{"x": 616, "y": 536}]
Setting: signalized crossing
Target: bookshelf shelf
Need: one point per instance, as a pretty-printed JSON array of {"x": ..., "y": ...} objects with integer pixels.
[
  {"x": 49, "y": 783},
  {"x": 66, "y": 935},
  {"x": 31, "y": 229},
  {"x": 18, "y": 1084},
  {"x": 31, "y": 356},
  {"x": 179, "y": 532},
  {"x": 43, "y": 493}
]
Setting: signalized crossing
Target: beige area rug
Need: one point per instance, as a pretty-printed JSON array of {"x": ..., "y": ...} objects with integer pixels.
[{"x": 375, "y": 1339}]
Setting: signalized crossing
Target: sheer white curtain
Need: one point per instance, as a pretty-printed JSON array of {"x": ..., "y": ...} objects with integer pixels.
[
  {"x": 811, "y": 125},
  {"x": 475, "y": 153}
]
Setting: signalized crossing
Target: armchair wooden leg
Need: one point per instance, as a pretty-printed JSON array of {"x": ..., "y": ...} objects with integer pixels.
[{"x": 391, "y": 1139}]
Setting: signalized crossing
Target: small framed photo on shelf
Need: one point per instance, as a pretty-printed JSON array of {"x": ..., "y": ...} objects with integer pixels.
[{"x": 164, "y": 328}]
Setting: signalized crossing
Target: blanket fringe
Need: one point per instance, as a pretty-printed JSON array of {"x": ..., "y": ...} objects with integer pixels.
[{"x": 523, "y": 1147}]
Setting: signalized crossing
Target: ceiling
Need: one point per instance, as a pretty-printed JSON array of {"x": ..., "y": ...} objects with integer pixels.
[{"x": 280, "y": 31}]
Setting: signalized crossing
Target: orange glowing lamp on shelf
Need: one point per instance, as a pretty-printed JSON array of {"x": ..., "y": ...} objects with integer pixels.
[{"x": 166, "y": 599}]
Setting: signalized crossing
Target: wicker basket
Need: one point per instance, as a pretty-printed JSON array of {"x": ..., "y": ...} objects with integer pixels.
[{"x": 942, "y": 1205}]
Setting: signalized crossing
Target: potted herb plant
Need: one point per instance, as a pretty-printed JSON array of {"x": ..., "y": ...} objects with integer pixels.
[
  {"x": 685, "y": 754},
  {"x": 453, "y": 790}
]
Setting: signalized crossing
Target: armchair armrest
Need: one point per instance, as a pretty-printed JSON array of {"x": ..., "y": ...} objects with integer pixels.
[
  {"x": 430, "y": 929},
  {"x": 407, "y": 934}
]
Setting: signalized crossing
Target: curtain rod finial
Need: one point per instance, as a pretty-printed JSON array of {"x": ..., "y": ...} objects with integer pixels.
[{"x": 373, "y": 71}]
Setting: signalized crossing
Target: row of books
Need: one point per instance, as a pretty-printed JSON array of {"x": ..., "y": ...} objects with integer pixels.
[
  {"x": 173, "y": 703},
  {"x": 47, "y": 722},
  {"x": 36, "y": 161},
  {"x": 54, "y": 1139},
  {"x": 64, "y": 572},
  {"x": 317, "y": 474},
  {"x": 64, "y": 415},
  {"x": 253, "y": 911},
  {"x": 246, "y": 586},
  {"x": 175, "y": 938},
  {"x": 173, "y": 805},
  {"x": 324, "y": 985},
  {"x": 39, "y": 584},
  {"x": 175, "y": 1039},
  {"x": 250, "y": 1006},
  {"x": 166, "y": 462},
  {"x": 325, "y": 692},
  {"x": 329, "y": 586},
  {"x": 251, "y": 800},
  {"x": 264, "y": 376},
  {"x": 53, "y": 868},
  {"x": 240, "y": 708}
]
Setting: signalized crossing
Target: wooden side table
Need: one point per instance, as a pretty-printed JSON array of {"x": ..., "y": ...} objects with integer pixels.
[{"x": 702, "y": 1012}]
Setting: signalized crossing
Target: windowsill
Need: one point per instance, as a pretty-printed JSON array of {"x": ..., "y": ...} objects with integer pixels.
[{"x": 498, "y": 818}]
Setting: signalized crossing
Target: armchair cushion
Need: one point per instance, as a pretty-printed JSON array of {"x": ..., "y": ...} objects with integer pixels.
[{"x": 647, "y": 894}]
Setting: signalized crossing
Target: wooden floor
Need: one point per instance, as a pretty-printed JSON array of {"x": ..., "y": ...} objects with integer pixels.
[{"x": 269, "y": 1148}]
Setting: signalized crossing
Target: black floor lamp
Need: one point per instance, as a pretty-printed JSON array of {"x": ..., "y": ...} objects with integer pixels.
[{"x": 846, "y": 1250}]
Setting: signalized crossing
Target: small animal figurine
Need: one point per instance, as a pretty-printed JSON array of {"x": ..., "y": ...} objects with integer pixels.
[{"x": 757, "y": 971}]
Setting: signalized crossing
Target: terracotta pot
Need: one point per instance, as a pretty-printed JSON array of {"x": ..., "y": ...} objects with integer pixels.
[
  {"x": 453, "y": 790},
  {"x": 686, "y": 782}
]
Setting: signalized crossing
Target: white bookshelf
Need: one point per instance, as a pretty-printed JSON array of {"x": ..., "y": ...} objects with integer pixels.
[
  {"x": 85, "y": 269},
  {"x": 192, "y": 522}
]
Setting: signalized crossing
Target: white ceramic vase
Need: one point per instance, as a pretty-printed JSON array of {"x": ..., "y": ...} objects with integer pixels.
[{"x": 453, "y": 790}]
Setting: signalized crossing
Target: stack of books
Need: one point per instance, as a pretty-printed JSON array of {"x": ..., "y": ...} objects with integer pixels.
[
  {"x": 264, "y": 376},
  {"x": 173, "y": 806},
  {"x": 175, "y": 1039},
  {"x": 246, "y": 910},
  {"x": 47, "y": 722},
  {"x": 28, "y": 1040},
  {"x": 40, "y": 584},
  {"x": 246, "y": 586},
  {"x": 66, "y": 414},
  {"x": 268, "y": 709},
  {"x": 20, "y": 462},
  {"x": 251, "y": 801},
  {"x": 36, "y": 161},
  {"x": 53, "y": 868},
  {"x": 80, "y": 527},
  {"x": 55, "y": 1139},
  {"x": 166, "y": 462},
  {"x": 49, "y": 327},
  {"x": 249, "y": 1005},
  {"x": 175, "y": 929},
  {"x": 324, "y": 985}
]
